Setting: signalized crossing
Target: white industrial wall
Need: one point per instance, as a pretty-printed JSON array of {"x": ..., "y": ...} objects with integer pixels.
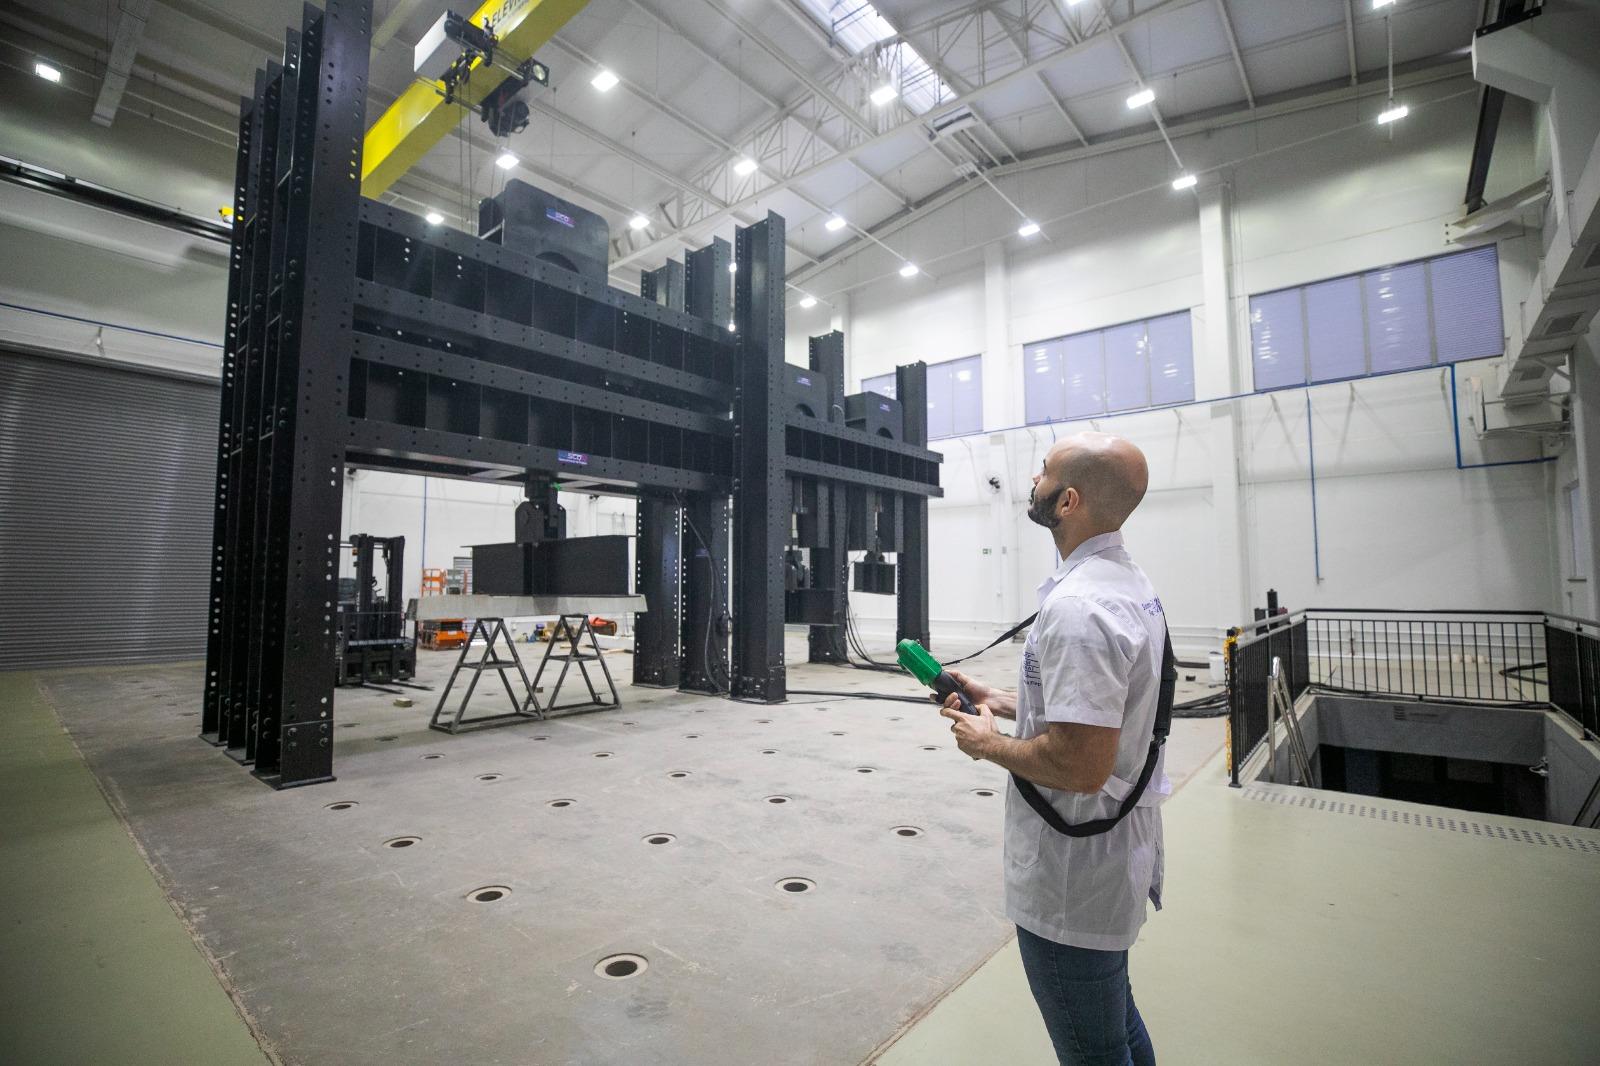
[
  {"x": 442, "y": 518},
  {"x": 1283, "y": 201}
]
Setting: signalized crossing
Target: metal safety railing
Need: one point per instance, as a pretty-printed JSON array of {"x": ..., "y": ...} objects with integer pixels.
[{"x": 1526, "y": 658}]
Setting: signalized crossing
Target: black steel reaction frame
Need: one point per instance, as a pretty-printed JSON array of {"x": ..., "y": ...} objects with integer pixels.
[{"x": 359, "y": 335}]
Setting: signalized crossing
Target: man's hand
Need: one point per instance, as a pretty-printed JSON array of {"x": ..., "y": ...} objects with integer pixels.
[
  {"x": 975, "y": 734},
  {"x": 1001, "y": 703}
]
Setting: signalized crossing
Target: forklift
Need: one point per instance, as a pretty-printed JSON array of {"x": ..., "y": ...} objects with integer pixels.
[{"x": 375, "y": 643}]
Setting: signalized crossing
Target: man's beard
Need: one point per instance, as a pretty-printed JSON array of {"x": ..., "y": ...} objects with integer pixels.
[{"x": 1043, "y": 512}]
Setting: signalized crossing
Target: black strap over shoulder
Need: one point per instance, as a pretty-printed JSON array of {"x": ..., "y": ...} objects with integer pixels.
[
  {"x": 1001, "y": 639},
  {"x": 1158, "y": 737}
]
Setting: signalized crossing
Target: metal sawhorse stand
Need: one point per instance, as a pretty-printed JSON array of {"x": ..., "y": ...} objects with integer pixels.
[
  {"x": 574, "y": 653},
  {"x": 522, "y": 710}
]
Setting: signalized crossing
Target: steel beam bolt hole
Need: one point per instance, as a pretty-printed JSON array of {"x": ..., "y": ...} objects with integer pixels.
[{"x": 621, "y": 967}]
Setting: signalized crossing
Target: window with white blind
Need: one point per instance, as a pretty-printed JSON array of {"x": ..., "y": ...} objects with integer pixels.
[
  {"x": 955, "y": 396},
  {"x": 1130, "y": 367},
  {"x": 1426, "y": 313}
]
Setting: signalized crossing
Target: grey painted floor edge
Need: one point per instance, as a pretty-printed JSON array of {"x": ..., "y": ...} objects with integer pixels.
[
  {"x": 351, "y": 951},
  {"x": 1316, "y": 927},
  {"x": 101, "y": 967}
]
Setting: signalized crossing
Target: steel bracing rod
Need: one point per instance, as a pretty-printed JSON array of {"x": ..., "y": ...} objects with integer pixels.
[
  {"x": 943, "y": 73},
  {"x": 1138, "y": 78},
  {"x": 1233, "y": 46},
  {"x": 1102, "y": 146},
  {"x": 778, "y": 110},
  {"x": 124, "y": 46},
  {"x": 1018, "y": 45},
  {"x": 903, "y": 128},
  {"x": 1350, "y": 37}
]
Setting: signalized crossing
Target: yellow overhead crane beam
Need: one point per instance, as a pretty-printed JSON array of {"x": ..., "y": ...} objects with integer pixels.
[{"x": 420, "y": 118}]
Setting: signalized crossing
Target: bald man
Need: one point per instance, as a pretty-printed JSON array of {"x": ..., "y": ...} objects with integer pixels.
[{"x": 1085, "y": 709}]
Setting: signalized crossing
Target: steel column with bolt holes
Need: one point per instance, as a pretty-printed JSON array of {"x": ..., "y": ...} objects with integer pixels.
[
  {"x": 658, "y": 577},
  {"x": 911, "y": 605},
  {"x": 360, "y": 336},
  {"x": 761, "y": 501},
  {"x": 830, "y": 562}
]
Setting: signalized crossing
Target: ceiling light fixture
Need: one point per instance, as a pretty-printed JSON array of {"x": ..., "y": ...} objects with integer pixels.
[
  {"x": 834, "y": 224},
  {"x": 808, "y": 301},
  {"x": 1398, "y": 111},
  {"x": 604, "y": 81},
  {"x": 733, "y": 266},
  {"x": 1027, "y": 229},
  {"x": 731, "y": 327},
  {"x": 1381, "y": 3},
  {"x": 883, "y": 94},
  {"x": 1185, "y": 181},
  {"x": 909, "y": 270},
  {"x": 506, "y": 161},
  {"x": 46, "y": 71},
  {"x": 745, "y": 166},
  {"x": 639, "y": 221},
  {"x": 434, "y": 218},
  {"x": 1140, "y": 98}
]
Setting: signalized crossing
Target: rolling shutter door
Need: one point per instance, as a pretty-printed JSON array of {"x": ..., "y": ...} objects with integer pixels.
[{"x": 106, "y": 481}]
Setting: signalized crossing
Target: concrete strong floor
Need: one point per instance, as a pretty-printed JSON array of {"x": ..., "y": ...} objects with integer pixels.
[{"x": 1291, "y": 933}]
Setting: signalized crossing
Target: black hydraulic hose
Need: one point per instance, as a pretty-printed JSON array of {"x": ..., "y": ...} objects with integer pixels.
[{"x": 862, "y": 696}]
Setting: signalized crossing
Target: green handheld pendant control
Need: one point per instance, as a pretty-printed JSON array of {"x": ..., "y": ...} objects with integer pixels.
[{"x": 916, "y": 661}]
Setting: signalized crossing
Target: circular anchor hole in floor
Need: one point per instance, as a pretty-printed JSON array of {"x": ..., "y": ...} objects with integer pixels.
[
  {"x": 435, "y": 755},
  {"x": 930, "y": 747},
  {"x": 864, "y": 769},
  {"x": 660, "y": 838},
  {"x": 348, "y": 725},
  {"x": 562, "y": 803},
  {"x": 541, "y": 737},
  {"x": 691, "y": 736},
  {"x": 342, "y": 805},
  {"x": 763, "y": 721},
  {"x": 488, "y": 893},
  {"x": 621, "y": 967},
  {"x": 679, "y": 773},
  {"x": 797, "y": 884},
  {"x": 188, "y": 714},
  {"x": 488, "y": 777},
  {"x": 402, "y": 842},
  {"x": 835, "y": 733},
  {"x": 983, "y": 792},
  {"x": 907, "y": 831},
  {"x": 769, "y": 751},
  {"x": 777, "y": 799},
  {"x": 894, "y": 718},
  {"x": 602, "y": 755},
  {"x": 387, "y": 739}
]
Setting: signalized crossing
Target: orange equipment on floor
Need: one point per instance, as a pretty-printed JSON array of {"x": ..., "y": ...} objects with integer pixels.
[{"x": 442, "y": 633}]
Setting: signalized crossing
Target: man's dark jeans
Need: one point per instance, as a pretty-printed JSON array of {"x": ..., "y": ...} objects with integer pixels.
[{"x": 1087, "y": 1003}]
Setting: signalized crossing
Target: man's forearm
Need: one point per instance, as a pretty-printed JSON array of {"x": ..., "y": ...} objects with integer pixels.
[
  {"x": 1002, "y": 704},
  {"x": 1032, "y": 760}
]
